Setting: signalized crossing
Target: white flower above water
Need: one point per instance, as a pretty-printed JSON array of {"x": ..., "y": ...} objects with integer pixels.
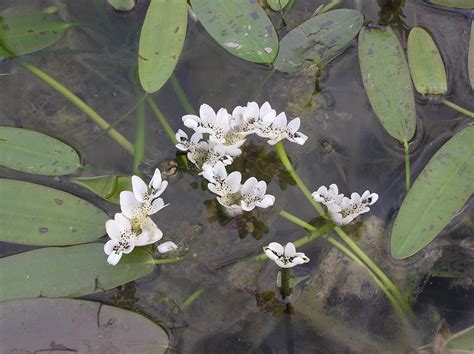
[
  {"x": 246, "y": 120},
  {"x": 280, "y": 129},
  {"x": 285, "y": 257},
  {"x": 122, "y": 238},
  {"x": 221, "y": 183},
  {"x": 253, "y": 195}
]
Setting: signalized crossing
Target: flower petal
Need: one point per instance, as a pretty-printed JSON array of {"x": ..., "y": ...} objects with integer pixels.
[
  {"x": 114, "y": 258},
  {"x": 294, "y": 125},
  {"x": 140, "y": 189},
  {"x": 155, "y": 181},
  {"x": 233, "y": 182},
  {"x": 156, "y": 206},
  {"x": 113, "y": 229},
  {"x": 290, "y": 250},
  {"x": 167, "y": 246},
  {"x": 109, "y": 246},
  {"x": 128, "y": 203},
  {"x": 276, "y": 248},
  {"x": 207, "y": 114}
]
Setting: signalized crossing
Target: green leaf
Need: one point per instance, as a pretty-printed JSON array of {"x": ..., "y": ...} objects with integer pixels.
[
  {"x": 460, "y": 4},
  {"x": 454, "y": 263},
  {"x": 318, "y": 39},
  {"x": 161, "y": 41},
  {"x": 439, "y": 192},
  {"x": 68, "y": 271},
  {"x": 29, "y": 151},
  {"x": 122, "y": 5},
  {"x": 26, "y": 33},
  {"x": 470, "y": 60},
  {"x": 240, "y": 26},
  {"x": 387, "y": 81},
  {"x": 462, "y": 342},
  {"x": 277, "y": 5},
  {"x": 49, "y": 325},
  {"x": 31, "y": 214},
  {"x": 106, "y": 187},
  {"x": 426, "y": 65}
]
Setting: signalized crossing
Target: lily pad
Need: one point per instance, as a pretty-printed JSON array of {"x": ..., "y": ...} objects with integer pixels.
[
  {"x": 68, "y": 271},
  {"x": 318, "y": 39},
  {"x": 122, "y": 5},
  {"x": 29, "y": 151},
  {"x": 277, "y": 5},
  {"x": 106, "y": 187},
  {"x": 26, "y": 33},
  {"x": 470, "y": 60},
  {"x": 65, "y": 325},
  {"x": 32, "y": 214},
  {"x": 460, "y": 4},
  {"x": 161, "y": 42},
  {"x": 439, "y": 192},
  {"x": 240, "y": 26},
  {"x": 387, "y": 81},
  {"x": 426, "y": 65}
]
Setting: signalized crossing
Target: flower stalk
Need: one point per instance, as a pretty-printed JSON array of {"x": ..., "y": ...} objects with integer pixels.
[
  {"x": 285, "y": 282},
  {"x": 407, "y": 165},
  {"x": 167, "y": 260},
  {"x": 457, "y": 108}
]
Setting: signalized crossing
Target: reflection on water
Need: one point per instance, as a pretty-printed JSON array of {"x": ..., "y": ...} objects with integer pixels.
[{"x": 338, "y": 309}]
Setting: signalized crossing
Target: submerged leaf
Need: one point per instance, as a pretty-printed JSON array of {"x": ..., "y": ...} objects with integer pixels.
[
  {"x": 277, "y": 5},
  {"x": 426, "y": 65},
  {"x": 462, "y": 342},
  {"x": 318, "y": 39},
  {"x": 161, "y": 42},
  {"x": 387, "y": 81},
  {"x": 470, "y": 60},
  {"x": 454, "y": 263},
  {"x": 36, "y": 324},
  {"x": 439, "y": 192},
  {"x": 240, "y": 26},
  {"x": 32, "y": 214},
  {"x": 122, "y": 5},
  {"x": 32, "y": 152},
  {"x": 460, "y": 4},
  {"x": 68, "y": 271},
  {"x": 26, "y": 33},
  {"x": 106, "y": 187}
]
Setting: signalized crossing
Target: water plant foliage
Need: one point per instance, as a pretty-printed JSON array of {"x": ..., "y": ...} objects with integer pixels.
[
  {"x": 438, "y": 194},
  {"x": 277, "y": 5},
  {"x": 122, "y": 5},
  {"x": 106, "y": 187},
  {"x": 460, "y": 4},
  {"x": 241, "y": 27},
  {"x": 318, "y": 39},
  {"x": 161, "y": 41},
  {"x": 78, "y": 271},
  {"x": 32, "y": 152},
  {"x": 387, "y": 81},
  {"x": 32, "y": 214},
  {"x": 88, "y": 321},
  {"x": 470, "y": 60}
]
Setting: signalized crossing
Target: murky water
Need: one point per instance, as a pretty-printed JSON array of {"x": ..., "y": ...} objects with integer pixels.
[{"x": 338, "y": 310}]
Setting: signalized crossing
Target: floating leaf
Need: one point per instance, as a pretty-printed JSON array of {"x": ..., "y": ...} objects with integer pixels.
[
  {"x": 29, "y": 32},
  {"x": 470, "y": 60},
  {"x": 387, "y": 81},
  {"x": 68, "y": 271},
  {"x": 161, "y": 41},
  {"x": 240, "y": 26},
  {"x": 122, "y": 5},
  {"x": 462, "y": 342},
  {"x": 29, "y": 151},
  {"x": 277, "y": 5},
  {"x": 439, "y": 192},
  {"x": 426, "y": 65},
  {"x": 318, "y": 39},
  {"x": 37, "y": 215},
  {"x": 460, "y": 4},
  {"x": 49, "y": 325},
  {"x": 106, "y": 187}
]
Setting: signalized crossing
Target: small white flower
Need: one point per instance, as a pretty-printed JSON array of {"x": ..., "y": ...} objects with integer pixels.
[
  {"x": 122, "y": 238},
  {"x": 253, "y": 194},
  {"x": 285, "y": 257},
  {"x": 167, "y": 247},
  {"x": 221, "y": 183},
  {"x": 353, "y": 207},
  {"x": 246, "y": 120},
  {"x": 280, "y": 129},
  {"x": 216, "y": 125},
  {"x": 329, "y": 197}
]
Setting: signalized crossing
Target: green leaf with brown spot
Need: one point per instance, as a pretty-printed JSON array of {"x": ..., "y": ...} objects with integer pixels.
[
  {"x": 460, "y": 4},
  {"x": 68, "y": 271},
  {"x": 426, "y": 65},
  {"x": 32, "y": 214},
  {"x": 106, "y": 187},
  {"x": 161, "y": 42},
  {"x": 240, "y": 26},
  {"x": 32, "y": 152},
  {"x": 438, "y": 194},
  {"x": 30, "y": 32},
  {"x": 387, "y": 81},
  {"x": 318, "y": 39}
]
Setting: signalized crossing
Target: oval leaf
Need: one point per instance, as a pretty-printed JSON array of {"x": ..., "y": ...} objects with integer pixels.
[
  {"x": 387, "y": 81},
  {"x": 240, "y": 26},
  {"x": 68, "y": 271},
  {"x": 106, "y": 187},
  {"x": 37, "y": 215},
  {"x": 277, "y": 5},
  {"x": 439, "y": 192},
  {"x": 39, "y": 325},
  {"x": 122, "y": 5},
  {"x": 470, "y": 60},
  {"x": 29, "y": 32},
  {"x": 318, "y": 39},
  {"x": 426, "y": 65},
  {"x": 161, "y": 41},
  {"x": 29, "y": 151},
  {"x": 460, "y": 4}
]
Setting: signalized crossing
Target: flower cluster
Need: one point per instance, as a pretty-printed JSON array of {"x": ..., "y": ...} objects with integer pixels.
[
  {"x": 286, "y": 257},
  {"x": 133, "y": 226},
  {"x": 342, "y": 209},
  {"x": 218, "y": 138}
]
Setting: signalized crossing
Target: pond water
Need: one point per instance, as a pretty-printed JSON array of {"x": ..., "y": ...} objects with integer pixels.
[{"x": 337, "y": 309}]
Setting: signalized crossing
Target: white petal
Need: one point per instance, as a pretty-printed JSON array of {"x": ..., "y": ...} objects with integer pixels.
[
  {"x": 160, "y": 189},
  {"x": 337, "y": 218},
  {"x": 299, "y": 138},
  {"x": 155, "y": 181},
  {"x": 140, "y": 189},
  {"x": 247, "y": 206},
  {"x": 249, "y": 185},
  {"x": 219, "y": 170},
  {"x": 123, "y": 222},
  {"x": 213, "y": 189},
  {"x": 207, "y": 114},
  {"x": 294, "y": 125},
  {"x": 156, "y": 206},
  {"x": 333, "y": 189},
  {"x": 333, "y": 207},
  {"x": 266, "y": 202},
  {"x": 128, "y": 203},
  {"x": 113, "y": 229},
  {"x": 208, "y": 174},
  {"x": 252, "y": 110},
  {"x": 270, "y": 254},
  {"x": 280, "y": 121},
  {"x": 290, "y": 250},
  {"x": 374, "y": 197},
  {"x": 131, "y": 246},
  {"x": 355, "y": 198},
  {"x": 109, "y": 246},
  {"x": 181, "y": 147},
  {"x": 114, "y": 258},
  {"x": 233, "y": 181},
  {"x": 167, "y": 246},
  {"x": 265, "y": 109},
  {"x": 276, "y": 248},
  {"x": 365, "y": 195},
  {"x": 260, "y": 189},
  {"x": 153, "y": 233}
]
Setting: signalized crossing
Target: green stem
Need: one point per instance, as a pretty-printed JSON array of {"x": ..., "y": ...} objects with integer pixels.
[
  {"x": 407, "y": 165},
  {"x": 285, "y": 282},
  {"x": 101, "y": 122},
  {"x": 139, "y": 138},
  {"x": 457, "y": 108},
  {"x": 280, "y": 149},
  {"x": 167, "y": 260},
  {"x": 193, "y": 297},
  {"x": 183, "y": 99},
  {"x": 328, "y": 7}
]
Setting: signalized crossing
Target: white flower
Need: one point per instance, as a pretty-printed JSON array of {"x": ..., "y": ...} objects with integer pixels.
[
  {"x": 246, "y": 120},
  {"x": 221, "y": 183},
  {"x": 279, "y": 129},
  {"x": 216, "y": 125},
  {"x": 285, "y": 257},
  {"x": 253, "y": 194},
  {"x": 167, "y": 246},
  {"x": 122, "y": 238},
  {"x": 329, "y": 197}
]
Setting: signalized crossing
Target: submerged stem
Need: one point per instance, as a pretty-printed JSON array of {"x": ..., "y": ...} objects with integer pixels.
[
  {"x": 193, "y": 297},
  {"x": 457, "y": 108},
  {"x": 182, "y": 97},
  {"x": 285, "y": 282},
  {"x": 101, "y": 122},
  {"x": 140, "y": 130},
  {"x": 407, "y": 165},
  {"x": 167, "y": 260}
]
